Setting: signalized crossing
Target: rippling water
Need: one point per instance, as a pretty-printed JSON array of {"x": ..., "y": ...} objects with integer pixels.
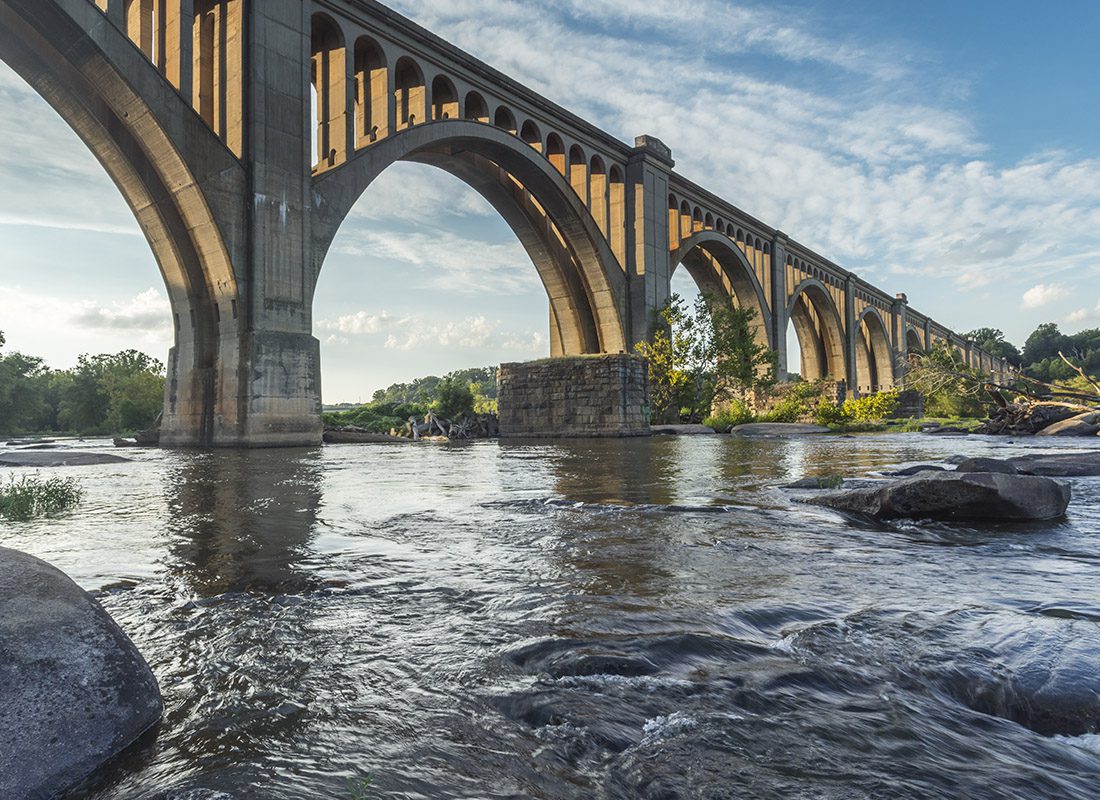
[{"x": 636, "y": 619}]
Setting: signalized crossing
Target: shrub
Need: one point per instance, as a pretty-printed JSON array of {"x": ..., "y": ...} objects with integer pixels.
[
  {"x": 873, "y": 408},
  {"x": 30, "y": 497},
  {"x": 830, "y": 414},
  {"x": 737, "y": 413},
  {"x": 790, "y": 409},
  {"x": 454, "y": 399}
]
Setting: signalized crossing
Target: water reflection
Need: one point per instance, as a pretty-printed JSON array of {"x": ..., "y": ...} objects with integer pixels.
[{"x": 243, "y": 521}]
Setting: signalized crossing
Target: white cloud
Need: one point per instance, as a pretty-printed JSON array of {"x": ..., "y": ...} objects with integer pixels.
[
  {"x": 1084, "y": 314},
  {"x": 1043, "y": 294},
  {"x": 148, "y": 311},
  {"x": 420, "y": 331}
]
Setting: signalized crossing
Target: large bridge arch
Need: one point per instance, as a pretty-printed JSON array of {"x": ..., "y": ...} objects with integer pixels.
[
  {"x": 583, "y": 280},
  {"x": 720, "y": 268},
  {"x": 819, "y": 329},
  {"x": 107, "y": 91},
  {"x": 874, "y": 355}
]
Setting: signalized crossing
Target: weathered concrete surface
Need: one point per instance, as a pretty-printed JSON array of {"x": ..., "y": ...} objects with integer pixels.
[
  {"x": 681, "y": 430},
  {"x": 1059, "y": 465},
  {"x": 1082, "y": 425},
  {"x": 74, "y": 691},
  {"x": 953, "y": 496},
  {"x": 574, "y": 396},
  {"x": 59, "y": 458},
  {"x": 778, "y": 429},
  {"x": 987, "y": 465}
]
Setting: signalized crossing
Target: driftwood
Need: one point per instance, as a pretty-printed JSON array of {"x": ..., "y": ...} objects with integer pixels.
[{"x": 1027, "y": 418}]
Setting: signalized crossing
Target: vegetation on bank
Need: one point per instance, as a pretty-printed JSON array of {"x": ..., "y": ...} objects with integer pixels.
[
  {"x": 704, "y": 357},
  {"x": 457, "y": 395},
  {"x": 102, "y": 394},
  {"x": 29, "y": 496}
]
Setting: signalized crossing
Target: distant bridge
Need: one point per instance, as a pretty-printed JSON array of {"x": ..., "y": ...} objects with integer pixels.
[{"x": 200, "y": 111}]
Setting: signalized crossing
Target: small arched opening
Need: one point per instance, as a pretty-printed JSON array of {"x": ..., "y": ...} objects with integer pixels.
[
  {"x": 409, "y": 93},
  {"x": 371, "y": 92},
  {"x": 477, "y": 110},
  {"x": 330, "y": 90},
  {"x": 444, "y": 99}
]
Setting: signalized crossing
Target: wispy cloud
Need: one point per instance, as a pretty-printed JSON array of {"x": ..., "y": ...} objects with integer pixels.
[{"x": 417, "y": 331}]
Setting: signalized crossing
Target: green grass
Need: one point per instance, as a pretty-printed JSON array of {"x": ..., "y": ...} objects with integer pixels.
[
  {"x": 362, "y": 788},
  {"x": 30, "y": 496}
]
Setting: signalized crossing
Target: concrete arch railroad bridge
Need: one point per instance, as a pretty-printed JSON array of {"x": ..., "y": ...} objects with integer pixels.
[{"x": 200, "y": 111}]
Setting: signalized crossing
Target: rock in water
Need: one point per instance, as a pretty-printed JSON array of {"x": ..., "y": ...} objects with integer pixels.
[
  {"x": 917, "y": 470},
  {"x": 951, "y": 496},
  {"x": 74, "y": 691},
  {"x": 987, "y": 465},
  {"x": 59, "y": 458},
  {"x": 1087, "y": 424},
  {"x": 768, "y": 429},
  {"x": 1059, "y": 465}
]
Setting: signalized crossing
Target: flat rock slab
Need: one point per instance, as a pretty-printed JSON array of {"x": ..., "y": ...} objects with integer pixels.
[
  {"x": 681, "y": 430},
  {"x": 917, "y": 470},
  {"x": 955, "y": 496},
  {"x": 360, "y": 437},
  {"x": 74, "y": 691},
  {"x": 59, "y": 458},
  {"x": 778, "y": 429},
  {"x": 987, "y": 465},
  {"x": 1060, "y": 465}
]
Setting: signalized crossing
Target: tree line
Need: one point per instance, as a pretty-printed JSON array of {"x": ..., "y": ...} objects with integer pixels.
[
  {"x": 1042, "y": 354},
  {"x": 102, "y": 394}
]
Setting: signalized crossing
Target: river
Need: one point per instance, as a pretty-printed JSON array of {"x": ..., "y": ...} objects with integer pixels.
[{"x": 638, "y": 619}]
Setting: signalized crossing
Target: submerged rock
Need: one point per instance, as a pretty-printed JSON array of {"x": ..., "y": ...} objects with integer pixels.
[
  {"x": 1060, "y": 465},
  {"x": 949, "y": 496},
  {"x": 823, "y": 482},
  {"x": 681, "y": 430},
  {"x": 59, "y": 458},
  {"x": 778, "y": 429},
  {"x": 187, "y": 794},
  {"x": 987, "y": 465},
  {"x": 917, "y": 470},
  {"x": 75, "y": 691}
]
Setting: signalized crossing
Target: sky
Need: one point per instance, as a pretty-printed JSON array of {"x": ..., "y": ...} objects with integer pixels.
[{"x": 948, "y": 150}]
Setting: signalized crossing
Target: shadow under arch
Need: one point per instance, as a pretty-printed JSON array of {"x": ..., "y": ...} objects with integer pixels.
[
  {"x": 583, "y": 280},
  {"x": 107, "y": 91},
  {"x": 914, "y": 342},
  {"x": 819, "y": 329},
  {"x": 719, "y": 268},
  {"x": 874, "y": 354}
]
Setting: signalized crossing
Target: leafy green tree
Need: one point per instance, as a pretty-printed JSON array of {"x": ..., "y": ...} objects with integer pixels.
[
  {"x": 992, "y": 341},
  {"x": 112, "y": 393},
  {"x": 454, "y": 399},
  {"x": 704, "y": 356},
  {"x": 24, "y": 381},
  {"x": 1044, "y": 343}
]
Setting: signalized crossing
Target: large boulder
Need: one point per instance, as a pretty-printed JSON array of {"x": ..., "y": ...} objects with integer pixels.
[
  {"x": 956, "y": 496},
  {"x": 774, "y": 429},
  {"x": 1087, "y": 424},
  {"x": 74, "y": 691},
  {"x": 1059, "y": 465}
]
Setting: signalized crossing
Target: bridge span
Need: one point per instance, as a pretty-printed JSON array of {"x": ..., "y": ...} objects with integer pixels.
[{"x": 201, "y": 113}]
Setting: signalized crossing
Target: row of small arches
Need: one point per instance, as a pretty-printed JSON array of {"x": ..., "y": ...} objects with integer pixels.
[
  {"x": 814, "y": 272},
  {"x": 363, "y": 102},
  {"x": 686, "y": 220}
]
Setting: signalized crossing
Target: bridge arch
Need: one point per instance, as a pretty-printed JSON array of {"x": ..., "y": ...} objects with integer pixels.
[
  {"x": 820, "y": 333},
  {"x": 914, "y": 342},
  {"x": 583, "y": 280},
  {"x": 874, "y": 355},
  {"x": 105, "y": 90},
  {"x": 720, "y": 269}
]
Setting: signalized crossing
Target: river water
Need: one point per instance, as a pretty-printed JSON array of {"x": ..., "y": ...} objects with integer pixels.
[{"x": 637, "y": 619}]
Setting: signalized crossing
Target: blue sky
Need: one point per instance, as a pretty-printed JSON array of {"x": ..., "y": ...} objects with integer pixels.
[{"x": 949, "y": 150}]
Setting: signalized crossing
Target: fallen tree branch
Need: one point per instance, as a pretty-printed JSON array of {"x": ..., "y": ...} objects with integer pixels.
[{"x": 1080, "y": 372}]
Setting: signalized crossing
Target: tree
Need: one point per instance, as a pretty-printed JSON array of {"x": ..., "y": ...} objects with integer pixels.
[
  {"x": 24, "y": 381},
  {"x": 454, "y": 398},
  {"x": 1044, "y": 343},
  {"x": 112, "y": 393},
  {"x": 704, "y": 356},
  {"x": 992, "y": 341}
]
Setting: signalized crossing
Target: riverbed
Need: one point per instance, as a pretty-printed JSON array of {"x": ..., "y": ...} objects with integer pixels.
[{"x": 645, "y": 619}]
